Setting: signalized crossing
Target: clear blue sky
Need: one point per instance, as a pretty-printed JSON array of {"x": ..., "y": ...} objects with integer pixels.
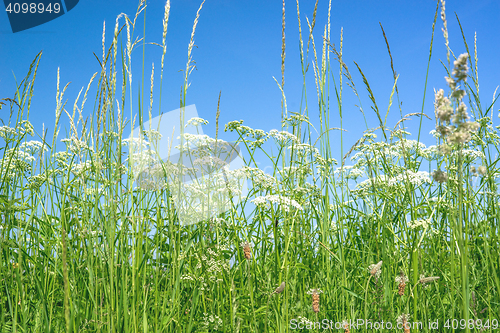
[{"x": 239, "y": 51}]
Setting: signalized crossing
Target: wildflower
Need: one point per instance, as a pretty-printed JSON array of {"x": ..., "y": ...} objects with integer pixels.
[
  {"x": 375, "y": 269},
  {"x": 439, "y": 176},
  {"x": 401, "y": 281},
  {"x": 187, "y": 277},
  {"x": 212, "y": 320},
  {"x": 195, "y": 121},
  {"x": 7, "y": 133},
  {"x": 315, "y": 297},
  {"x": 277, "y": 199},
  {"x": 15, "y": 265},
  {"x": 282, "y": 137},
  {"x": 419, "y": 223}
]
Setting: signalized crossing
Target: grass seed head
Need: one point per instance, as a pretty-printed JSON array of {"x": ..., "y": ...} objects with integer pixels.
[
  {"x": 375, "y": 269},
  {"x": 401, "y": 280},
  {"x": 424, "y": 280},
  {"x": 403, "y": 320},
  {"x": 247, "y": 249},
  {"x": 280, "y": 289},
  {"x": 315, "y": 299}
]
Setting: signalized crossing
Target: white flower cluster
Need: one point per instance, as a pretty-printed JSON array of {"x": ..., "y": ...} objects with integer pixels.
[
  {"x": 470, "y": 154},
  {"x": 424, "y": 223},
  {"x": 409, "y": 146},
  {"x": 303, "y": 148},
  {"x": 282, "y": 137},
  {"x": 213, "y": 265},
  {"x": 32, "y": 147},
  {"x": 7, "y": 133},
  {"x": 349, "y": 171},
  {"x": 195, "y": 121},
  {"x": 285, "y": 202},
  {"x": 415, "y": 178},
  {"x": 76, "y": 146},
  {"x": 260, "y": 179},
  {"x": 212, "y": 320},
  {"x": 210, "y": 160}
]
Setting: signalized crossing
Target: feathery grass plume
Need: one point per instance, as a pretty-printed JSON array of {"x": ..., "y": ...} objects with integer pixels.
[
  {"x": 217, "y": 120},
  {"x": 445, "y": 29},
  {"x": 166, "y": 15},
  {"x": 247, "y": 249},
  {"x": 315, "y": 299},
  {"x": 151, "y": 93},
  {"x": 453, "y": 124},
  {"x": 401, "y": 280}
]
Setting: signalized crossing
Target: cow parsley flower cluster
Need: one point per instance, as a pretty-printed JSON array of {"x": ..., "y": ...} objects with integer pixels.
[{"x": 284, "y": 202}]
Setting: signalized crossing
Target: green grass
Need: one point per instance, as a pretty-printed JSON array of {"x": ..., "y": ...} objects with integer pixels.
[{"x": 84, "y": 249}]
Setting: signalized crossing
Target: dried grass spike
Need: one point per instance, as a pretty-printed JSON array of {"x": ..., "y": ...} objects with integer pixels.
[
  {"x": 247, "y": 249},
  {"x": 401, "y": 280},
  {"x": 315, "y": 299},
  {"x": 424, "y": 280}
]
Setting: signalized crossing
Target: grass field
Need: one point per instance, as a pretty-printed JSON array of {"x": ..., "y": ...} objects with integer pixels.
[{"x": 389, "y": 230}]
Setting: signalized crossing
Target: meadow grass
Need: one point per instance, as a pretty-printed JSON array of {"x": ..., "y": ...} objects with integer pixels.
[{"x": 85, "y": 249}]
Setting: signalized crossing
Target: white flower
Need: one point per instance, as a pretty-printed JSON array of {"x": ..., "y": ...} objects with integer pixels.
[
  {"x": 195, "y": 121},
  {"x": 7, "y": 132},
  {"x": 284, "y": 201},
  {"x": 210, "y": 160},
  {"x": 419, "y": 223},
  {"x": 470, "y": 154},
  {"x": 283, "y": 136}
]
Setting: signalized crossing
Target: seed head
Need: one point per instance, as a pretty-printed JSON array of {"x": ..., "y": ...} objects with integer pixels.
[
  {"x": 247, "y": 249},
  {"x": 375, "y": 269},
  {"x": 439, "y": 176},
  {"x": 401, "y": 280},
  {"x": 315, "y": 299},
  {"x": 424, "y": 280},
  {"x": 280, "y": 289},
  {"x": 481, "y": 170},
  {"x": 403, "y": 319}
]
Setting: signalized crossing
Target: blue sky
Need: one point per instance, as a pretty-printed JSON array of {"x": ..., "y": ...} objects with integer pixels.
[{"x": 239, "y": 51}]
